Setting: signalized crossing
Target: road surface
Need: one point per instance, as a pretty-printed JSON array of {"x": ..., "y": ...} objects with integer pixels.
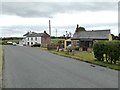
[{"x": 27, "y": 67}]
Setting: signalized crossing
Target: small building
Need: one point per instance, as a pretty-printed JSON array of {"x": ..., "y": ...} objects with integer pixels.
[
  {"x": 31, "y": 38},
  {"x": 85, "y": 39},
  {"x": 66, "y": 43}
]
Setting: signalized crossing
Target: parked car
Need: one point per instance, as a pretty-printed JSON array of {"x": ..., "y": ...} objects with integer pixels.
[
  {"x": 24, "y": 44},
  {"x": 9, "y": 43},
  {"x": 35, "y": 45},
  {"x": 14, "y": 44}
]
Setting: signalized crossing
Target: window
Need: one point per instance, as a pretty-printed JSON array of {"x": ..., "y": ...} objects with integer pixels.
[
  {"x": 31, "y": 43},
  {"x": 28, "y": 38},
  {"x": 35, "y": 42},
  {"x": 78, "y": 43},
  {"x": 28, "y": 43},
  {"x": 31, "y": 38},
  {"x": 36, "y": 38}
]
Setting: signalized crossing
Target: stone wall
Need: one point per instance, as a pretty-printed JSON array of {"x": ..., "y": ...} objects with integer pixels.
[
  {"x": 89, "y": 49},
  {"x": 74, "y": 43},
  {"x": 45, "y": 41}
]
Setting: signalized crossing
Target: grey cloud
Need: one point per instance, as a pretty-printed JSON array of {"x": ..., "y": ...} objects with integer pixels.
[
  {"x": 49, "y": 9},
  {"x": 21, "y": 29},
  {"x": 102, "y": 25},
  {"x": 15, "y": 30}
]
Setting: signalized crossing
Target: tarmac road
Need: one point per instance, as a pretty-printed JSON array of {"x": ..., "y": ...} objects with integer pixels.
[{"x": 27, "y": 67}]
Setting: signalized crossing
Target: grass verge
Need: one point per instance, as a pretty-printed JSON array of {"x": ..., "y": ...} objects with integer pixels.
[
  {"x": 1, "y": 62},
  {"x": 86, "y": 57},
  {"x": 1, "y": 52}
]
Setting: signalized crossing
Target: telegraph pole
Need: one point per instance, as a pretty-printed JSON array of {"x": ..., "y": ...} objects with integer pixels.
[
  {"x": 49, "y": 28},
  {"x": 56, "y": 32}
]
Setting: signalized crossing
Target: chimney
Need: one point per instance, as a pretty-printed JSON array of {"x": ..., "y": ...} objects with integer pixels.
[
  {"x": 30, "y": 32},
  {"x": 77, "y": 26},
  {"x": 44, "y": 31},
  {"x": 49, "y": 28}
]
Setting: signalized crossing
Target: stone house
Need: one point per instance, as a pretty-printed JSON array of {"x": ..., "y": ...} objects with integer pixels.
[{"x": 85, "y": 39}]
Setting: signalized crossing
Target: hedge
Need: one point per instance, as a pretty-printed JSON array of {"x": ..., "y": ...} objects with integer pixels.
[{"x": 108, "y": 51}]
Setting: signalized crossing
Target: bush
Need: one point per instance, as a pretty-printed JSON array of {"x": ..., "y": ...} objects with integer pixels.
[
  {"x": 107, "y": 50},
  {"x": 51, "y": 46}
]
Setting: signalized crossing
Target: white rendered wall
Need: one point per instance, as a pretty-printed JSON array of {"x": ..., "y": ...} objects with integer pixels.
[{"x": 38, "y": 41}]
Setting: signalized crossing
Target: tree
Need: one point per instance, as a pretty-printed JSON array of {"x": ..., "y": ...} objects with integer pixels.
[
  {"x": 64, "y": 36},
  {"x": 70, "y": 34},
  {"x": 80, "y": 29},
  {"x": 114, "y": 37},
  {"x": 119, "y": 37}
]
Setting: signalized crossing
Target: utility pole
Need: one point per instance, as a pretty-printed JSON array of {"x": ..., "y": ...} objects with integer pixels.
[
  {"x": 56, "y": 32},
  {"x": 49, "y": 28},
  {"x": 66, "y": 34}
]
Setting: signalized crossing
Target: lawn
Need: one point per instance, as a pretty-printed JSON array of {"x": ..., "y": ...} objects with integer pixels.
[{"x": 86, "y": 57}]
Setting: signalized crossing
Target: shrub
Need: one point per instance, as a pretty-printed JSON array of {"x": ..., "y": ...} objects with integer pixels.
[
  {"x": 51, "y": 46},
  {"x": 107, "y": 50}
]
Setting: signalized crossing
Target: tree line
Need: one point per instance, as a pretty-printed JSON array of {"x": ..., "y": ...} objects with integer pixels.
[
  {"x": 11, "y": 38},
  {"x": 116, "y": 37}
]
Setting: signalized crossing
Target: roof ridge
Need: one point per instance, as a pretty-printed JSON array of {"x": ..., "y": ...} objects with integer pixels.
[{"x": 99, "y": 30}]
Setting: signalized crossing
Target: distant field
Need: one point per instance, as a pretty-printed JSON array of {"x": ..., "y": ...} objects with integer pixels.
[{"x": 55, "y": 41}]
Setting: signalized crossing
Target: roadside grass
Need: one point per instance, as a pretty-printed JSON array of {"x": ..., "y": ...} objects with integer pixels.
[
  {"x": 86, "y": 57},
  {"x": 1, "y": 41},
  {"x": 1, "y": 62},
  {"x": 1, "y": 59}
]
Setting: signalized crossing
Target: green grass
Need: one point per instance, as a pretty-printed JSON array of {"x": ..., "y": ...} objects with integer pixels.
[
  {"x": 86, "y": 57},
  {"x": 55, "y": 41},
  {"x": 1, "y": 53},
  {"x": 0, "y": 40}
]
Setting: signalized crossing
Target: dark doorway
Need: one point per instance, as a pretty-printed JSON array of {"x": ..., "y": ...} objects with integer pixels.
[{"x": 84, "y": 48}]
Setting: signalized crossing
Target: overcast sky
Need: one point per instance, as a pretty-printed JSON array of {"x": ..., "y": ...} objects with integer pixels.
[{"x": 18, "y": 16}]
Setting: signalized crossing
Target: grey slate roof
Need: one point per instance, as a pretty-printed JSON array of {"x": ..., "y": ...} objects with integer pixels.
[
  {"x": 94, "y": 34},
  {"x": 33, "y": 34}
]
